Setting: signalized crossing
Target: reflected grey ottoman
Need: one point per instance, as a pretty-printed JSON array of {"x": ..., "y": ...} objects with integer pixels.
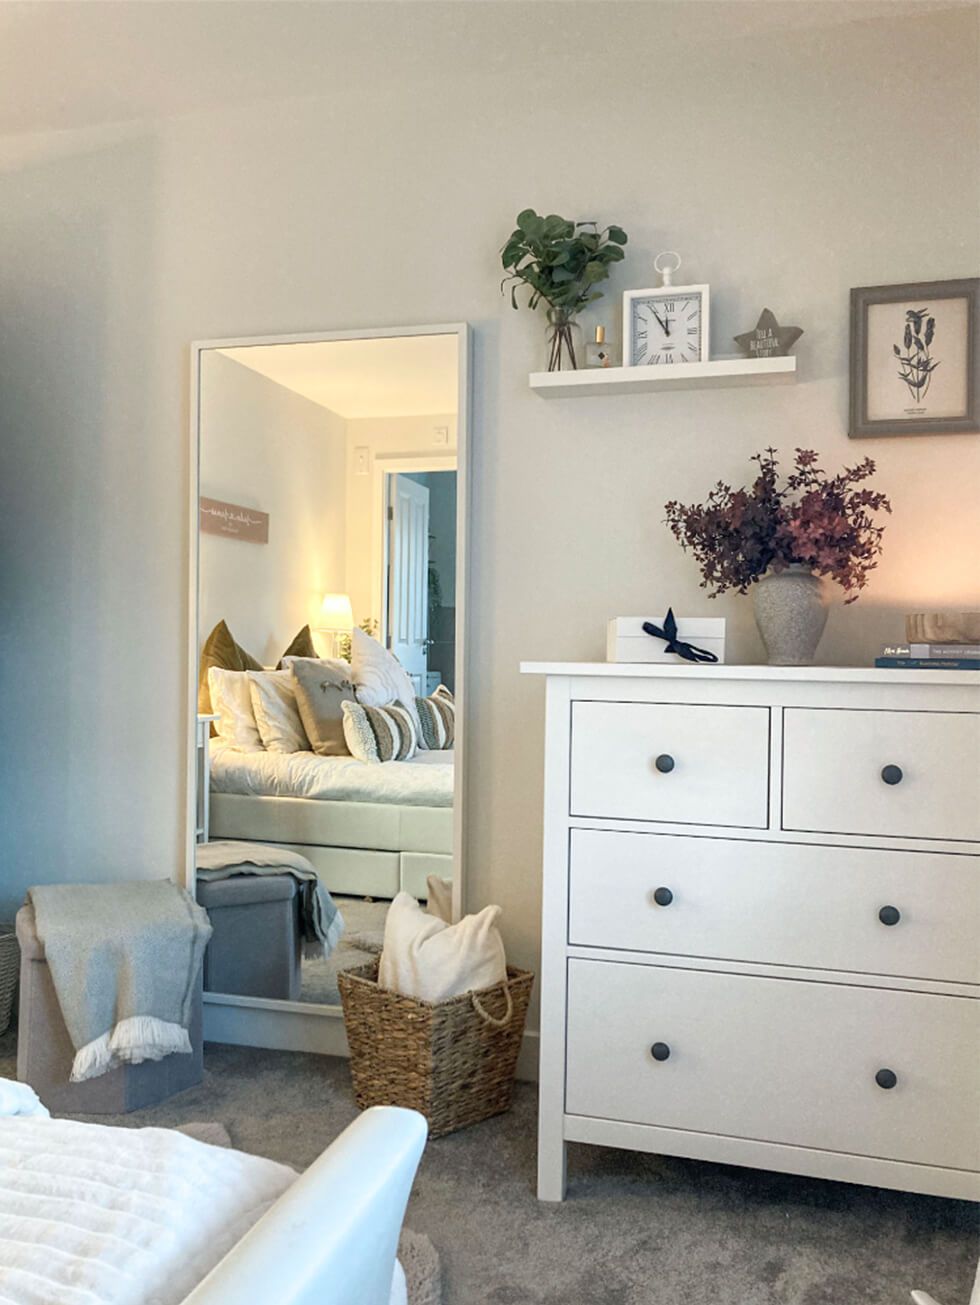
[
  {"x": 256, "y": 949},
  {"x": 45, "y": 1052}
]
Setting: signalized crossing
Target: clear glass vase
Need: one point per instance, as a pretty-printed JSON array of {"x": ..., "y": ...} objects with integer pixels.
[{"x": 564, "y": 337}]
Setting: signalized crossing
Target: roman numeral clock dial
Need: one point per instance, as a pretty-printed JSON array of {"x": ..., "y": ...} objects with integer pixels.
[{"x": 667, "y": 326}]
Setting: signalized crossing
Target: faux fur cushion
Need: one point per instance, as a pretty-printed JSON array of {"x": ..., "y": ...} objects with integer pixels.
[{"x": 376, "y": 734}]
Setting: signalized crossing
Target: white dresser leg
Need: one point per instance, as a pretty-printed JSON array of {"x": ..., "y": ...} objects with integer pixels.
[{"x": 551, "y": 1166}]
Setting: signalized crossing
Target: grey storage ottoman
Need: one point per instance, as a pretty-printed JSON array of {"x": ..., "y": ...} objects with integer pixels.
[
  {"x": 45, "y": 1052},
  {"x": 256, "y": 949}
]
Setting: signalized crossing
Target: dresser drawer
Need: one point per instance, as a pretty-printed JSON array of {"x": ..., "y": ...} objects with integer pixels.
[
  {"x": 901, "y": 774},
  {"x": 689, "y": 765},
  {"x": 776, "y": 1060},
  {"x": 777, "y": 903}
]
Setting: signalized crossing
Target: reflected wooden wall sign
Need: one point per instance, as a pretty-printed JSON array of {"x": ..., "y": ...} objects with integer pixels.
[{"x": 235, "y": 521}]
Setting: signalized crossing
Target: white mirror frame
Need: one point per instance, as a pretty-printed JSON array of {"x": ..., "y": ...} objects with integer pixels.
[{"x": 291, "y": 1025}]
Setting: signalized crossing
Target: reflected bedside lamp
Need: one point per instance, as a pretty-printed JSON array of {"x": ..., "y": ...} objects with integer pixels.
[{"x": 336, "y": 618}]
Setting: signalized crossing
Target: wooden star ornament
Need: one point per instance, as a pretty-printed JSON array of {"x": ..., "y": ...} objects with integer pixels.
[{"x": 768, "y": 339}]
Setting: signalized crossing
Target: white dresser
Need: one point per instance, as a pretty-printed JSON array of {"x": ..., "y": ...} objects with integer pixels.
[{"x": 761, "y": 920}]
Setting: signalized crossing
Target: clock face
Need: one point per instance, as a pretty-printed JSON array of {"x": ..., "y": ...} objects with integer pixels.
[{"x": 666, "y": 328}]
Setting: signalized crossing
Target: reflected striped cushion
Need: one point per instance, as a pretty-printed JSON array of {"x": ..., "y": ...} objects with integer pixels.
[
  {"x": 437, "y": 716},
  {"x": 376, "y": 734}
]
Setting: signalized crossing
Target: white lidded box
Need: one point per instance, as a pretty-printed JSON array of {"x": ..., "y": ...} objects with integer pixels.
[{"x": 627, "y": 641}]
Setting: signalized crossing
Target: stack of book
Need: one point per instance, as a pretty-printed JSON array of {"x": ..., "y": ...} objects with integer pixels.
[{"x": 930, "y": 656}]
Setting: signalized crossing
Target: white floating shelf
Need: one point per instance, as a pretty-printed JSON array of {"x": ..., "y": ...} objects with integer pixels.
[{"x": 672, "y": 376}]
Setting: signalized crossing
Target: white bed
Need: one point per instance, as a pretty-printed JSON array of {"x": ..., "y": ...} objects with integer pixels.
[
  {"x": 95, "y": 1215},
  {"x": 368, "y": 829},
  {"x": 425, "y": 781}
]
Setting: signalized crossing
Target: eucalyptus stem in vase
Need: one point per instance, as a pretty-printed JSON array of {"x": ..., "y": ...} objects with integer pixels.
[{"x": 561, "y": 262}]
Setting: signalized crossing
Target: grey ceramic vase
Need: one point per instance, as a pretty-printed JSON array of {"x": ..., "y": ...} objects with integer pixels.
[{"x": 791, "y": 613}]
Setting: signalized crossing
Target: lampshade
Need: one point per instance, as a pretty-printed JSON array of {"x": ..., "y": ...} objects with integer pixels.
[{"x": 336, "y": 614}]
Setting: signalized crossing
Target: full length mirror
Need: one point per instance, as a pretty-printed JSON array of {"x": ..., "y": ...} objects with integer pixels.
[{"x": 330, "y": 538}]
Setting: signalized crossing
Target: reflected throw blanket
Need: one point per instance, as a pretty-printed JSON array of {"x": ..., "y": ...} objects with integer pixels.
[
  {"x": 321, "y": 923},
  {"x": 124, "y": 959}
]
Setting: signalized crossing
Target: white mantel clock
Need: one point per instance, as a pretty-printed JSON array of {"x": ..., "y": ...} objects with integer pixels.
[{"x": 667, "y": 325}]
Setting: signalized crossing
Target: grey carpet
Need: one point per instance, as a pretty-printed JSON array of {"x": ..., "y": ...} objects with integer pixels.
[
  {"x": 364, "y": 924},
  {"x": 636, "y": 1230},
  {"x": 208, "y": 1131}
]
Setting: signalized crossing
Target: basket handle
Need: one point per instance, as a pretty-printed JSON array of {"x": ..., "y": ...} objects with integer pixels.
[{"x": 490, "y": 1019}]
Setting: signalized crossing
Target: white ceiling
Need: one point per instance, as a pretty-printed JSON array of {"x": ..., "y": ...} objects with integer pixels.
[
  {"x": 68, "y": 64},
  {"x": 406, "y": 376}
]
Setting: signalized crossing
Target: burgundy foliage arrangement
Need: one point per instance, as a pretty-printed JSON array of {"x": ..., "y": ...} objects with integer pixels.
[{"x": 822, "y": 522}]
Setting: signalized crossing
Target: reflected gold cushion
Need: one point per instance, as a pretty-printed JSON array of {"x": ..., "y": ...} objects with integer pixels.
[
  {"x": 220, "y": 650},
  {"x": 301, "y": 646}
]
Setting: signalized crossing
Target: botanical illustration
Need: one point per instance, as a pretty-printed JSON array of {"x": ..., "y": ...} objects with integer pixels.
[{"x": 916, "y": 364}]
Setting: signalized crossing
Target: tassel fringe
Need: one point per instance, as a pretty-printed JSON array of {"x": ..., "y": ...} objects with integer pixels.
[{"x": 133, "y": 1040}]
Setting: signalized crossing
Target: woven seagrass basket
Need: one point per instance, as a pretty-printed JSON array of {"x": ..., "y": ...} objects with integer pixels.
[
  {"x": 453, "y": 1061},
  {"x": 9, "y": 970}
]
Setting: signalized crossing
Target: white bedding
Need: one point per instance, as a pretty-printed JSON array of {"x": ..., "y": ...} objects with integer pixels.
[
  {"x": 93, "y": 1215},
  {"x": 425, "y": 781}
]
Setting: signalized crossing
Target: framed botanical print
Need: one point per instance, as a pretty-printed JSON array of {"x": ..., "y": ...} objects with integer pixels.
[{"x": 915, "y": 358}]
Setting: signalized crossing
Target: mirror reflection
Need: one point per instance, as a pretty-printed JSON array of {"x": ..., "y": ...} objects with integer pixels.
[{"x": 327, "y": 596}]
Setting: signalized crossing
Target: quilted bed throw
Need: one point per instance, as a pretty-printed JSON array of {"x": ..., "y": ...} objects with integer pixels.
[
  {"x": 91, "y": 1215},
  {"x": 124, "y": 959}
]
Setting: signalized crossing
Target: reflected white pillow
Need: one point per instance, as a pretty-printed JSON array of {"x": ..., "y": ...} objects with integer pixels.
[
  {"x": 379, "y": 678},
  {"x": 426, "y": 958},
  {"x": 275, "y": 710},
  {"x": 232, "y": 702}
]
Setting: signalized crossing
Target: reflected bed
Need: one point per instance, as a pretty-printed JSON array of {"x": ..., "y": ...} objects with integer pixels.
[{"x": 370, "y": 830}]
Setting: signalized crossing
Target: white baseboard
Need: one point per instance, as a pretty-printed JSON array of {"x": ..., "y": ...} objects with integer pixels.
[
  {"x": 293, "y": 1026},
  {"x": 527, "y": 1061}
]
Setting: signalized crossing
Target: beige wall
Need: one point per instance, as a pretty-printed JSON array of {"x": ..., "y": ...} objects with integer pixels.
[
  {"x": 785, "y": 167},
  {"x": 383, "y": 437},
  {"x": 265, "y": 447}
]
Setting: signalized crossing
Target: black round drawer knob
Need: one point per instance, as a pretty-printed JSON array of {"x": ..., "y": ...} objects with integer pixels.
[
  {"x": 892, "y": 774},
  {"x": 660, "y": 1051},
  {"x": 889, "y": 915},
  {"x": 663, "y": 896},
  {"x": 886, "y": 1078},
  {"x": 664, "y": 763}
]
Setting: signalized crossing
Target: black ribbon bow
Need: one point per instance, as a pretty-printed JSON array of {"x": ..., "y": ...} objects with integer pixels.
[{"x": 675, "y": 645}]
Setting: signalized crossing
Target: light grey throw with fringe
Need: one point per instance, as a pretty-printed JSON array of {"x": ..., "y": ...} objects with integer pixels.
[
  {"x": 124, "y": 959},
  {"x": 321, "y": 923}
]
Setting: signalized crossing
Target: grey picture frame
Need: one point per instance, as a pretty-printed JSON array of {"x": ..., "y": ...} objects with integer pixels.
[{"x": 863, "y": 297}]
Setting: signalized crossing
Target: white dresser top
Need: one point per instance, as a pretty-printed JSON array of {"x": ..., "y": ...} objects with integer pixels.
[{"x": 728, "y": 671}]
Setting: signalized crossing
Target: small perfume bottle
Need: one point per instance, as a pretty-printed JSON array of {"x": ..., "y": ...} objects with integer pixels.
[{"x": 597, "y": 352}]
